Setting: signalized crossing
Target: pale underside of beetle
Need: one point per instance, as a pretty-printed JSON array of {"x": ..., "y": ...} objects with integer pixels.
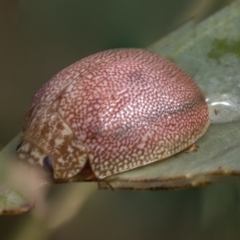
[{"x": 117, "y": 110}]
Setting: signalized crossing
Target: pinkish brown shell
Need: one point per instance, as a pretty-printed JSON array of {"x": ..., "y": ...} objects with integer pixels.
[{"x": 118, "y": 109}]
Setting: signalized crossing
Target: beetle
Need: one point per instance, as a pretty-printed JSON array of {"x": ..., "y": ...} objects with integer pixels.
[{"x": 112, "y": 111}]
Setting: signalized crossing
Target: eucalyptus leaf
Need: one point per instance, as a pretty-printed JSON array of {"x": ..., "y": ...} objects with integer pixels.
[{"x": 210, "y": 53}]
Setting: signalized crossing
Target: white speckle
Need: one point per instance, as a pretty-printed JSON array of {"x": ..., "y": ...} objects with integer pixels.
[
  {"x": 141, "y": 145},
  {"x": 69, "y": 149},
  {"x": 70, "y": 174},
  {"x": 89, "y": 76},
  {"x": 26, "y": 147},
  {"x": 60, "y": 160},
  {"x": 106, "y": 163},
  {"x": 96, "y": 106},
  {"x": 58, "y": 141},
  {"x": 35, "y": 153}
]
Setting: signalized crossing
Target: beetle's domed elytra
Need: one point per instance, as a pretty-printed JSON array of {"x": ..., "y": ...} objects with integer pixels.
[{"x": 118, "y": 109}]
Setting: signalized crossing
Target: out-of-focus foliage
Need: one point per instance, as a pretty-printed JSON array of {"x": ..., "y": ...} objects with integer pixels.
[{"x": 20, "y": 186}]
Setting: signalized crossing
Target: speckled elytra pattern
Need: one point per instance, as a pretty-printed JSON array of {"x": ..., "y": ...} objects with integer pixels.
[{"x": 118, "y": 109}]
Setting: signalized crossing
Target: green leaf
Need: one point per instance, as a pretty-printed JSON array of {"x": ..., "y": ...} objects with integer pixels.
[{"x": 210, "y": 52}]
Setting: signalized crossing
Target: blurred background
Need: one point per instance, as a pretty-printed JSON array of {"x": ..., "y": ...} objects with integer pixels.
[{"x": 38, "y": 39}]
